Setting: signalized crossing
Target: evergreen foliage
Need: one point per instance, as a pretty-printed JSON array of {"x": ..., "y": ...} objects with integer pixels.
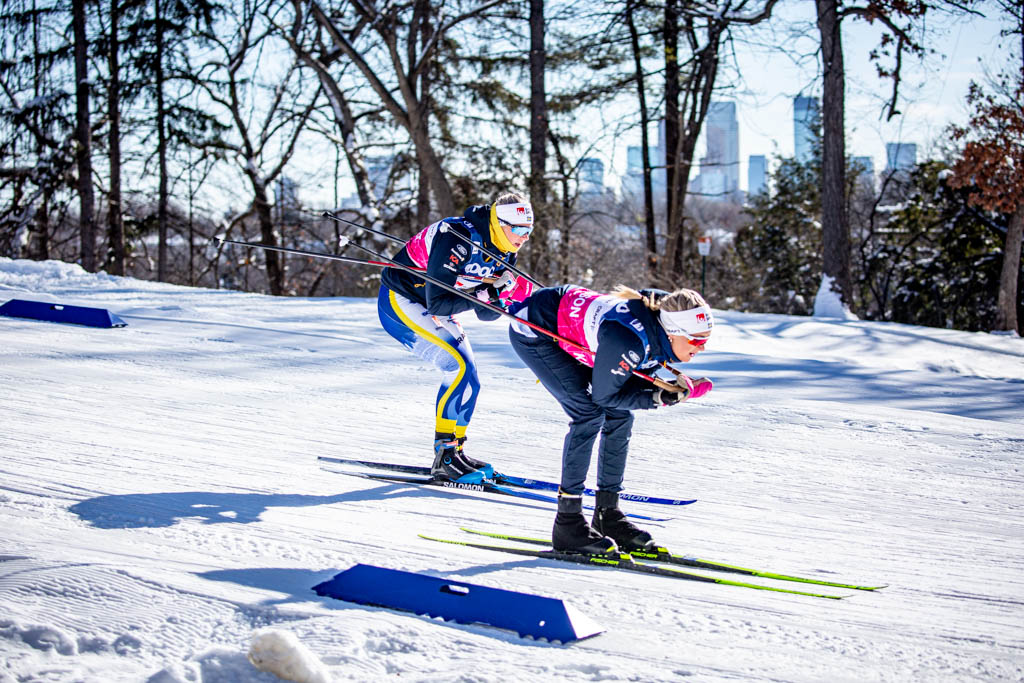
[
  {"x": 778, "y": 252},
  {"x": 945, "y": 255}
]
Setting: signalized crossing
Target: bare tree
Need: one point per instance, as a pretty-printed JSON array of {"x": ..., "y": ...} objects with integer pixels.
[
  {"x": 645, "y": 146},
  {"x": 835, "y": 224},
  {"x": 395, "y": 56},
  {"x": 37, "y": 127},
  {"x": 267, "y": 118},
  {"x": 314, "y": 53},
  {"x": 705, "y": 29}
]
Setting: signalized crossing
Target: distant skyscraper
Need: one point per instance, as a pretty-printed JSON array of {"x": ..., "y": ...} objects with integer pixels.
[
  {"x": 865, "y": 169},
  {"x": 757, "y": 174},
  {"x": 591, "y": 176},
  {"x": 900, "y": 156},
  {"x": 806, "y": 122},
  {"x": 287, "y": 192},
  {"x": 633, "y": 182},
  {"x": 378, "y": 168},
  {"x": 720, "y": 168}
]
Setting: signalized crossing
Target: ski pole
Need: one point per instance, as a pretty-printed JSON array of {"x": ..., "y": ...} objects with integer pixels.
[
  {"x": 661, "y": 384},
  {"x": 444, "y": 228},
  {"x": 332, "y": 257},
  {"x": 419, "y": 272},
  {"x": 302, "y": 252},
  {"x": 328, "y": 214}
]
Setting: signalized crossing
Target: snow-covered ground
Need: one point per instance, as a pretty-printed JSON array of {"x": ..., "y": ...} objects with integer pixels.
[{"x": 161, "y": 503}]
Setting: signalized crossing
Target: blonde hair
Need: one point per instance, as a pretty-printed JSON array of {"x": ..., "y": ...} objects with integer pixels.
[
  {"x": 679, "y": 300},
  {"x": 512, "y": 198}
]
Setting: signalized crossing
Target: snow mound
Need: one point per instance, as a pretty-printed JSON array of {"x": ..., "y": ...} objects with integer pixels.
[
  {"x": 280, "y": 653},
  {"x": 827, "y": 303}
]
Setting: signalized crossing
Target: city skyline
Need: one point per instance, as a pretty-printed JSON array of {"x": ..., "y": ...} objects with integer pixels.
[
  {"x": 932, "y": 96},
  {"x": 932, "y": 92},
  {"x": 716, "y": 175}
]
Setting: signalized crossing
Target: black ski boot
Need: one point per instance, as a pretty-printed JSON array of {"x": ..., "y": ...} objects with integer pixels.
[
  {"x": 613, "y": 523},
  {"x": 571, "y": 532},
  {"x": 480, "y": 465},
  {"x": 449, "y": 463}
]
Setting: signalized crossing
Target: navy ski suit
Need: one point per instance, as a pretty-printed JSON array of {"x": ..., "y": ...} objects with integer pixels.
[{"x": 596, "y": 390}]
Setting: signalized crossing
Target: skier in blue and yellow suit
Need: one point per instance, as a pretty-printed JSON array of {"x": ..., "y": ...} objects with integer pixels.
[{"x": 421, "y": 315}]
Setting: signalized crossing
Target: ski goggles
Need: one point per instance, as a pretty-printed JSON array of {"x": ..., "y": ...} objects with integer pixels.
[
  {"x": 521, "y": 230},
  {"x": 699, "y": 342}
]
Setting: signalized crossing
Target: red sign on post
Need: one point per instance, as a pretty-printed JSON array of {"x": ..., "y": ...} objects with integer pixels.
[{"x": 704, "y": 245}]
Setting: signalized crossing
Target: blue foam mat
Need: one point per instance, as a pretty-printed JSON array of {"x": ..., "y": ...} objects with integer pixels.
[
  {"x": 60, "y": 313},
  {"x": 526, "y": 614}
]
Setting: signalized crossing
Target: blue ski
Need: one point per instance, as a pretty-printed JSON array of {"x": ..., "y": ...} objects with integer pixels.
[
  {"x": 502, "y": 479},
  {"x": 482, "y": 487}
]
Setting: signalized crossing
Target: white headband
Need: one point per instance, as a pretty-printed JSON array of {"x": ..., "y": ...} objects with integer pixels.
[
  {"x": 687, "y": 323},
  {"x": 515, "y": 214}
]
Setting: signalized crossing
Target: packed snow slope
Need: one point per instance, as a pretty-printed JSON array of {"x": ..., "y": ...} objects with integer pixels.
[{"x": 161, "y": 501}]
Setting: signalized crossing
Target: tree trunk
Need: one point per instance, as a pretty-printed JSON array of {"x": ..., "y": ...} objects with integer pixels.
[
  {"x": 261, "y": 202},
  {"x": 83, "y": 138},
  {"x": 700, "y": 86},
  {"x": 835, "y": 235},
  {"x": 423, "y": 195},
  {"x": 538, "y": 142},
  {"x": 161, "y": 134},
  {"x": 115, "y": 218},
  {"x": 1006, "y": 314},
  {"x": 38, "y": 246},
  {"x": 671, "y": 33},
  {"x": 649, "y": 228}
]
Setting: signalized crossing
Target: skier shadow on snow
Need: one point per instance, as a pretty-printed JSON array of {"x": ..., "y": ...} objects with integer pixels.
[
  {"x": 155, "y": 510},
  {"x": 158, "y": 510}
]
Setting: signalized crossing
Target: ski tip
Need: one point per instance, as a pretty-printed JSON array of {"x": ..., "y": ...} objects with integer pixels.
[{"x": 439, "y": 540}]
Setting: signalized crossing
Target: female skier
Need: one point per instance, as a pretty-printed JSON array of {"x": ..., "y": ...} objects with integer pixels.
[
  {"x": 624, "y": 331},
  {"x": 421, "y": 315}
]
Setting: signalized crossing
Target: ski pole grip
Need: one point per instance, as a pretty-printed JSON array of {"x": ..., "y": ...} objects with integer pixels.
[{"x": 662, "y": 384}]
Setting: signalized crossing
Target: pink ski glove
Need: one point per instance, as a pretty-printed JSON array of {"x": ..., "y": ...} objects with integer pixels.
[
  {"x": 700, "y": 387},
  {"x": 522, "y": 290}
]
